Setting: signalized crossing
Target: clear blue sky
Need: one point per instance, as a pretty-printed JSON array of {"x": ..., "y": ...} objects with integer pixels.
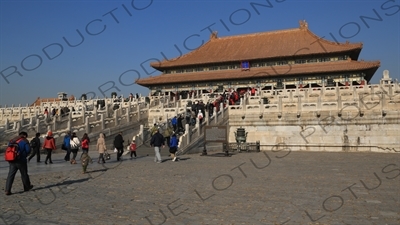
[{"x": 121, "y": 37}]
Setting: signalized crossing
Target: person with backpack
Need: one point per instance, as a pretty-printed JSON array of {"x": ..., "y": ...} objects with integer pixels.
[
  {"x": 167, "y": 134},
  {"x": 35, "y": 148},
  {"x": 18, "y": 161},
  {"x": 174, "y": 123},
  {"x": 75, "y": 143},
  {"x": 173, "y": 147},
  {"x": 49, "y": 145},
  {"x": 153, "y": 129},
  {"x": 67, "y": 146}
]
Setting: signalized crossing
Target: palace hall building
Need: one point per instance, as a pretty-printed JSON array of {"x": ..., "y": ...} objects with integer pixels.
[{"x": 283, "y": 59}]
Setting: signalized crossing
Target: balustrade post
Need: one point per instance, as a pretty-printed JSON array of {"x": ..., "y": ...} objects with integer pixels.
[
  {"x": 116, "y": 116},
  {"x": 187, "y": 130},
  {"x": 102, "y": 122},
  {"x": 106, "y": 106},
  {"x": 222, "y": 110},
  {"x": 83, "y": 111},
  {"x": 20, "y": 112},
  {"x": 37, "y": 125},
  {"x": 31, "y": 120},
  {"x": 7, "y": 124},
  {"x": 128, "y": 111},
  {"x": 87, "y": 125},
  {"x": 138, "y": 112},
  {"x": 69, "y": 123},
  {"x": 141, "y": 132},
  {"x": 54, "y": 123},
  {"x": 207, "y": 117},
  {"x": 94, "y": 110},
  {"x": 16, "y": 126}
]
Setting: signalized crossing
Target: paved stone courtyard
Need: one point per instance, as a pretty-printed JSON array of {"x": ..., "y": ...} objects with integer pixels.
[{"x": 272, "y": 187}]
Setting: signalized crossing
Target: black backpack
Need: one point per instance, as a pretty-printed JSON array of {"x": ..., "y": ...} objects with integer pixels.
[{"x": 34, "y": 143}]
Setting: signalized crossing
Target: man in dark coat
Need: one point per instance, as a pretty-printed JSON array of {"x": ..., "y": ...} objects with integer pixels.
[
  {"x": 180, "y": 124},
  {"x": 35, "y": 147},
  {"x": 157, "y": 141},
  {"x": 119, "y": 145}
]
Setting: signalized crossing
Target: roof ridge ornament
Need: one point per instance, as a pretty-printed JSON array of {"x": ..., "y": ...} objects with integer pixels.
[
  {"x": 214, "y": 35},
  {"x": 303, "y": 24}
]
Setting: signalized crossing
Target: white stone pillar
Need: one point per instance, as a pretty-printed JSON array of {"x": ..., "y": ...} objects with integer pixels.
[
  {"x": 69, "y": 122},
  {"x": 95, "y": 111},
  {"x": 7, "y": 124},
  {"x": 87, "y": 125},
  {"x": 16, "y": 126},
  {"x": 138, "y": 113},
  {"x": 54, "y": 123},
  {"x": 222, "y": 110},
  {"x": 187, "y": 129},
  {"x": 37, "y": 125},
  {"x": 20, "y": 112},
  {"x": 116, "y": 116},
  {"x": 83, "y": 112},
  {"x": 102, "y": 122},
  {"x": 22, "y": 119},
  {"x": 106, "y": 106},
  {"x": 141, "y": 132},
  {"x": 31, "y": 120},
  {"x": 197, "y": 123},
  {"x": 207, "y": 117},
  {"x": 128, "y": 111}
]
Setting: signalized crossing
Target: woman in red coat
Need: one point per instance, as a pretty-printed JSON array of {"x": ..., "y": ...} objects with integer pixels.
[
  {"x": 49, "y": 145},
  {"x": 85, "y": 141}
]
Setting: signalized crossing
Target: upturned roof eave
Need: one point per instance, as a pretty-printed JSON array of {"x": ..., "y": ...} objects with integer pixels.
[
  {"x": 370, "y": 69},
  {"x": 356, "y": 53}
]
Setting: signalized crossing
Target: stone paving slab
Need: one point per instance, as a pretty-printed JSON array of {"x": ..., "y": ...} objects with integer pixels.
[{"x": 280, "y": 187}]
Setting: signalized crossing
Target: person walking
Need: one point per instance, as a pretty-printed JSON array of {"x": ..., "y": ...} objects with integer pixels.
[
  {"x": 101, "y": 147},
  {"x": 167, "y": 134},
  {"x": 174, "y": 123},
  {"x": 35, "y": 148},
  {"x": 19, "y": 164},
  {"x": 180, "y": 124},
  {"x": 119, "y": 145},
  {"x": 173, "y": 147},
  {"x": 67, "y": 146},
  {"x": 75, "y": 144},
  {"x": 132, "y": 148},
  {"x": 49, "y": 145},
  {"x": 85, "y": 141},
  {"x": 157, "y": 141},
  {"x": 153, "y": 129}
]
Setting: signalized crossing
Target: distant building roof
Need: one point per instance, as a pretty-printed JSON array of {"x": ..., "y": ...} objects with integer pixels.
[
  {"x": 39, "y": 100},
  {"x": 265, "y": 45}
]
